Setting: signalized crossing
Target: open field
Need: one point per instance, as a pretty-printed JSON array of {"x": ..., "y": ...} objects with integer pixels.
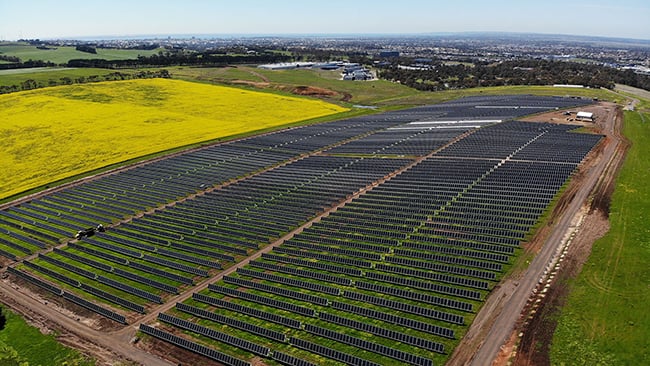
[
  {"x": 54, "y": 133},
  {"x": 286, "y": 80},
  {"x": 378, "y": 92},
  {"x": 20, "y": 342},
  {"x": 43, "y": 75},
  {"x": 62, "y": 55},
  {"x": 606, "y": 319},
  {"x": 321, "y": 84}
]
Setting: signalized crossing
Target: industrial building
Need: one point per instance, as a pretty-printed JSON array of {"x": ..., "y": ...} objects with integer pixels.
[{"x": 585, "y": 116}]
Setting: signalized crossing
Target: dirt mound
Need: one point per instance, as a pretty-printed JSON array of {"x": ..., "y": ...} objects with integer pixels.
[
  {"x": 313, "y": 91},
  {"x": 256, "y": 84}
]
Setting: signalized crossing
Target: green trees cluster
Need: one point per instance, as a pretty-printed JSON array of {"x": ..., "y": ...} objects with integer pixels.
[
  {"x": 86, "y": 48},
  {"x": 520, "y": 72},
  {"x": 182, "y": 58},
  {"x": 30, "y": 84}
]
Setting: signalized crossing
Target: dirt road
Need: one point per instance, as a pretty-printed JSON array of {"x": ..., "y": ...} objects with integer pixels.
[
  {"x": 514, "y": 303},
  {"x": 98, "y": 343}
]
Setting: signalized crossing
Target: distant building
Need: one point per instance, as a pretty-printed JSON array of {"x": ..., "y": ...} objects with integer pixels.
[
  {"x": 388, "y": 54},
  {"x": 286, "y": 66},
  {"x": 567, "y": 86},
  {"x": 334, "y": 65},
  {"x": 585, "y": 116},
  {"x": 356, "y": 72}
]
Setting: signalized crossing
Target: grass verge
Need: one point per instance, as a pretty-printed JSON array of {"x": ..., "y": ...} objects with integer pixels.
[
  {"x": 22, "y": 344},
  {"x": 606, "y": 319}
]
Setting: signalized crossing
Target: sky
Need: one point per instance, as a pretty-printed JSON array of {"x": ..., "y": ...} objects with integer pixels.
[{"x": 54, "y": 19}]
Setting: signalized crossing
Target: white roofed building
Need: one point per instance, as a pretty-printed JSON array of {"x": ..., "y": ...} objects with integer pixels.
[{"x": 585, "y": 116}]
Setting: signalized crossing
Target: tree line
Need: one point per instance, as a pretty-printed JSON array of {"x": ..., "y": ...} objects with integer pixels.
[
  {"x": 166, "y": 59},
  {"x": 15, "y": 63},
  {"x": 520, "y": 72},
  {"x": 30, "y": 84}
]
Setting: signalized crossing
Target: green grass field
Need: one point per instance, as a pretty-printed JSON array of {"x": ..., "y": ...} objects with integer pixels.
[
  {"x": 606, "y": 320},
  {"x": 62, "y": 55},
  {"x": 379, "y": 92},
  {"x": 43, "y": 75},
  {"x": 372, "y": 92},
  {"x": 22, "y": 344}
]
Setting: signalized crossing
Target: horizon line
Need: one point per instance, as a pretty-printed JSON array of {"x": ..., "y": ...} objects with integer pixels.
[{"x": 315, "y": 35}]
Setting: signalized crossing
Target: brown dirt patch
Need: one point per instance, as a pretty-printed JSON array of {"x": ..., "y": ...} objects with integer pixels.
[
  {"x": 539, "y": 325},
  {"x": 538, "y": 330},
  {"x": 103, "y": 356},
  {"x": 600, "y": 111},
  {"x": 313, "y": 91},
  {"x": 256, "y": 84},
  {"x": 174, "y": 354}
]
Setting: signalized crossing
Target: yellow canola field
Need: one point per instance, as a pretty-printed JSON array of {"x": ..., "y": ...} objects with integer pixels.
[{"x": 55, "y": 133}]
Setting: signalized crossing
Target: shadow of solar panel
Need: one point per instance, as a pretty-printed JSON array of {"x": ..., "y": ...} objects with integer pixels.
[
  {"x": 317, "y": 265},
  {"x": 193, "y": 346},
  {"x": 84, "y": 260},
  {"x": 112, "y": 298},
  {"x": 130, "y": 289},
  {"x": 276, "y": 290},
  {"x": 386, "y": 333},
  {"x": 211, "y": 333},
  {"x": 330, "y": 353},
  {"x": 289, "y": 360},
  {"x": 95, "y": 308},
  {"x": 36, "y": 281},
  {"x": 291, "y": 323},
  {"x": 394, "y": 319},
  {"x": 231, "y": 322},
  {"x": 369, "y": 346},
  {"x": 417, "y": 296},
  {"x": 263, "y": 300},
  {"x": 413, "y": 309},
  {"x": 290, "y": 281},
  {"x": 302, "y": 273}
]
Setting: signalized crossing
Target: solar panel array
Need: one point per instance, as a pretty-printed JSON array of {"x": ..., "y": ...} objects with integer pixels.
[
  {"x": 410, "y": 264},
  {"x": 406, "y": 261}
]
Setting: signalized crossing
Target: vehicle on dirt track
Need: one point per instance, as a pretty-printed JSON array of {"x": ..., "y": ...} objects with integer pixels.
[{"x": 89, "y": 232}]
